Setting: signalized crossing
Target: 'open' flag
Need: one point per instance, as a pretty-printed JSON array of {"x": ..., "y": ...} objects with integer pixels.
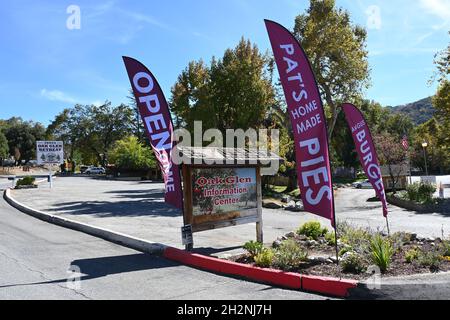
[
  {"x": 308, "y": 121},
  {"x": 158, "y": 124},
  {"x": 366, "y": 150}
]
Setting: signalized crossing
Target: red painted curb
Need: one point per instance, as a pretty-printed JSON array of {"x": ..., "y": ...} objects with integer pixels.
[
  {"x": 290, "y": 280},
  {"x": 330, "y": 286},
  {"x": 276, "y": 277}
]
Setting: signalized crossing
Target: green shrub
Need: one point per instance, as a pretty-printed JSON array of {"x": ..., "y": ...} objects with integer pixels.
[
  {"x": 355, "y": 237},
  {"x": 264, "y": 259},
  {"x": 401, "y": 237},
  {"x": 412, "y": 191},
  {"x": 254, "y": 248},
  {"x": 330, "y": 238},
  {"x": 431, "y": 259},
  {"x": 411, "y": 255},
  {"x": 26, "y": 181},
  {"x": 421, "y": 192},
  {"x": 344, "y": 250},
  {"x": 290, "y": 255},
  {"x": 381, "y": 252},
  {"x": 353, "y": 263},
  {"x": 445, "y": 248},
  {"x": 312, "y": 229}
]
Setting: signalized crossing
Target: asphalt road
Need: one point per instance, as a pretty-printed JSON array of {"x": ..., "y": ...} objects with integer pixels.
[
  {"x": 352, "y": 206},
  {"x": 35, "y": 258}
]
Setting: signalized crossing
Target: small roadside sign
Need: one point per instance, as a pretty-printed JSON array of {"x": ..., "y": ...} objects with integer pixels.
[
  {"x": 49, "y": 152},
  {"x": 186, "y": 235}
]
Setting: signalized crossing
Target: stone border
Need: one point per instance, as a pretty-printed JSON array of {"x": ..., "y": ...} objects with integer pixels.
[{"x": 412, "y": 206}]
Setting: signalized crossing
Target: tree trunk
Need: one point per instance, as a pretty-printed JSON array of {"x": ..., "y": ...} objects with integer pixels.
[{"x": 292, "y": 182}]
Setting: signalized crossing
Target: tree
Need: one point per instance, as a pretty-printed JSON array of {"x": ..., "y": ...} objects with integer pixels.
[
  {"x": 337, "y": 51},
  {"x": 22, "y": 137},
  {"x": 436, "y": 135},
  {"x": 233, "y": 92},
  {"x": 92, "y": 130},
  {"x": 4, "y": 148},
  {"x": 436, "y": 131},
  {"x": 137, "y": 125},
  {"x": 392, "y": 155},
  {"x": 129, "y": 153}
]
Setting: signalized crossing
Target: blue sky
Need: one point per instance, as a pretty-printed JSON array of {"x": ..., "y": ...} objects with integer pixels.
[{"x": 46, "y": 67}]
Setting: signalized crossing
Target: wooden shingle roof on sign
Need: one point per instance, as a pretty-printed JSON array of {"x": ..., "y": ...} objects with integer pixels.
[{"x": 220, "y": 155}]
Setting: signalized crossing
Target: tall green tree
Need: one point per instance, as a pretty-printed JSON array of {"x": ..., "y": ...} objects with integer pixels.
[
  {"x": 391, "y": 155},
  {"x": 92, "y": 130},
  {"x": 22, "y": 137},
  {"x": 129, "y": 153},
  {"x": 338, "y": 54},
  {"x": 233, "y": 92},
  {"x": 4, "y": 148}
]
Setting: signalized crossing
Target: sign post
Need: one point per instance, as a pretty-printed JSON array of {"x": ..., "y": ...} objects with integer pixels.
[
  {"x": 50, "y": 153},
  {"x": 221, "y": 195}
]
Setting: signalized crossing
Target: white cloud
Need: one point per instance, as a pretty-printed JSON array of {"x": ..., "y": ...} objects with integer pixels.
[
  {"x": 440, "y": 8},
  {"x": 56, "y": 95}
]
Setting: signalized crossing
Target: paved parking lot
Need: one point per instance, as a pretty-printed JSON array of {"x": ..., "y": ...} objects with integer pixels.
[{"x": 138, "y": 209}]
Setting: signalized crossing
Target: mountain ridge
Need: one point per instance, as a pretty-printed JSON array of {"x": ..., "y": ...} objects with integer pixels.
[{"x": 419, "y": 111}]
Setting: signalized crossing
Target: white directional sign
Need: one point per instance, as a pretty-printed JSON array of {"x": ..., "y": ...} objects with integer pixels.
[{"x": 49, "y": 152}]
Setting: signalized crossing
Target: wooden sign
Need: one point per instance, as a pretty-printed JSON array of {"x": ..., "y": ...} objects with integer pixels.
[{"x": 222, "y": 196}]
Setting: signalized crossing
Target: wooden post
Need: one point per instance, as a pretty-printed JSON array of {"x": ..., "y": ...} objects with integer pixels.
[
  {"x": 259, "y": 223},
  {"x": 187, "y": 196}
]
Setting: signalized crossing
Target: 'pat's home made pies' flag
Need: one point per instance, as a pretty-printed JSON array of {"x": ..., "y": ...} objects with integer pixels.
[{"x": 308, "y": 121}]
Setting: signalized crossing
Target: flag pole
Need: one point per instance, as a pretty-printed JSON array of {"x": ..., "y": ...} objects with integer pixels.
[{"x": 387, "y": 224}]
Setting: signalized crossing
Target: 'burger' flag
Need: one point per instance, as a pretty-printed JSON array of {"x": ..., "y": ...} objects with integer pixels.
[
  {"x": 366, "y": 150},
  {"x": 158, "y": 124},
  {"x": 308, "y": 121}
]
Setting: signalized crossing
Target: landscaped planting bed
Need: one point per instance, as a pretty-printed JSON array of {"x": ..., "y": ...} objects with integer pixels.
[{"x": 311, "y": 250}]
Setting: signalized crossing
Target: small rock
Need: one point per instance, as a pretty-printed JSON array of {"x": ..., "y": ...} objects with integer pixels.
[
  {"x": 433, "y": 244},
  {"x": 270, "y": 205},
  {"x": 284, "y": 238},
  {"x": 290, "y": 234},
  {"x": 302, "y": 237},
  {"x": 346, "y": 255},
  {"x": 276, "y": 243},
  {"x": 319, "y": 259},
  {"x": 413, "y": 236},
  {"x": 311, "y": 243},
  {"x": 285, "y": 199},
  {"x": 299, "y": 205},
  {"x": 430, "y": 239},
  {"x": 333, "y": 259}
]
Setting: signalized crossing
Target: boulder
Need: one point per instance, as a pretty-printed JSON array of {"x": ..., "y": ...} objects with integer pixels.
[{"x": 270, "y": 205}]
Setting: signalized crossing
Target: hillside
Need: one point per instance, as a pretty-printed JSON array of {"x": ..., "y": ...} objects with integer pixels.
[{"x": 419, "y": 111}]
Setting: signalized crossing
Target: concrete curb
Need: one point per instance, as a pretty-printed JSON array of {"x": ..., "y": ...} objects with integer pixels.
[
  {"x": 115, "y": 237},
  {"x": 324, "y": 285},
  {"x": 289, "y": 280}
]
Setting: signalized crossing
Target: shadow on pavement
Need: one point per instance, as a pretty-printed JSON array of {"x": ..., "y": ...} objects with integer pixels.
[
  {"x": 207, "y": 251},
  {"x": 418, "y": 291},
  {"x": 104, "y": 266},
  {"x": 137, "y": 203}
]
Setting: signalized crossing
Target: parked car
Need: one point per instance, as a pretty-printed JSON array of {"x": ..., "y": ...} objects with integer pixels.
[
  {"x": 95, "y": 170},
  {"x": 84, "y": 168},
  {"x": 362, "y": 184}
]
